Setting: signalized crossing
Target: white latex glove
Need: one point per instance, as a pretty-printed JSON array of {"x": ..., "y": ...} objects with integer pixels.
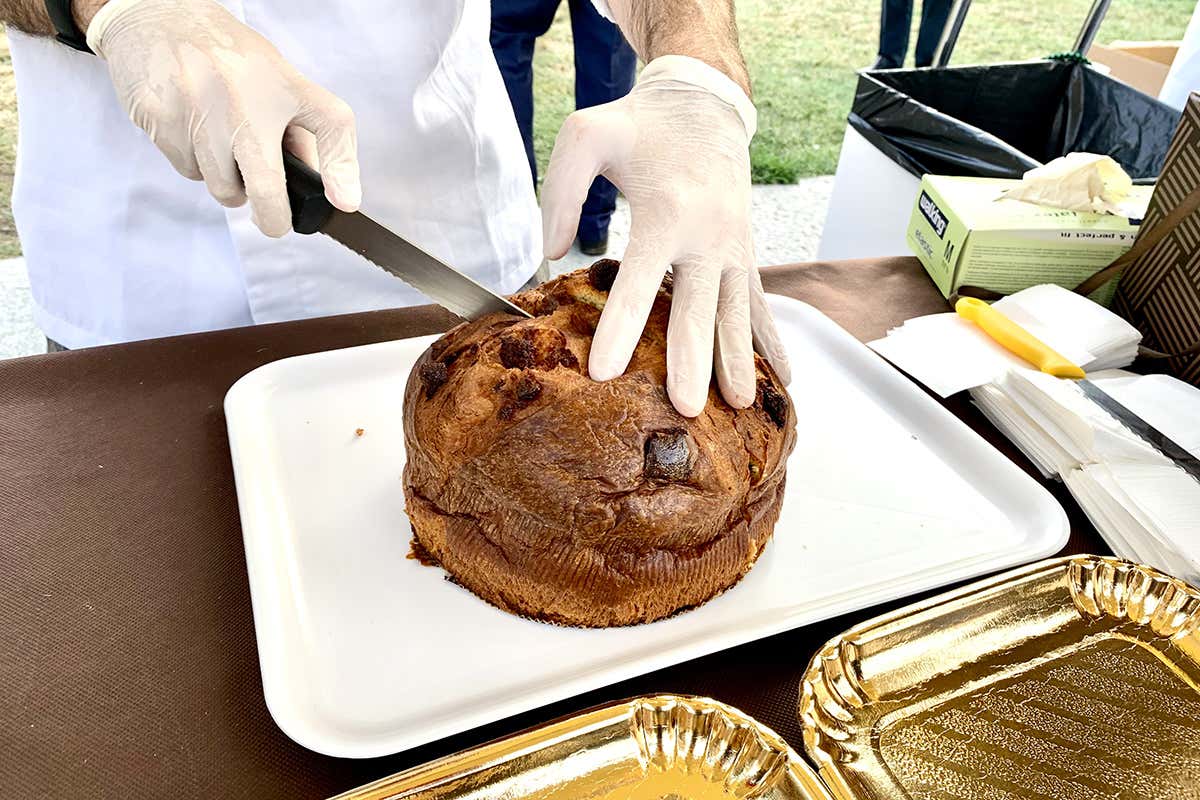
[
  {"x": 677, "y": 147},
  {"x": 217, "y": 99}
]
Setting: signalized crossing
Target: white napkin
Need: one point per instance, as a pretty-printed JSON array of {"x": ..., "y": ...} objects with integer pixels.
[
  {"x": 1076, "y": 423},
  {"x": 1073, "y": 325},
  {"x": 1145, "y": 507},
  {"x": 949, "y": 354}
]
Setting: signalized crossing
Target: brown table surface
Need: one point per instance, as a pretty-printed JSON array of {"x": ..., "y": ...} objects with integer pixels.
[{"x": 128, "y": 666}]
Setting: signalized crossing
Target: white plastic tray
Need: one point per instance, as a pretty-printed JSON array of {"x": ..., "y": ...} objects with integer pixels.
[{"x": 365, "y": 652}]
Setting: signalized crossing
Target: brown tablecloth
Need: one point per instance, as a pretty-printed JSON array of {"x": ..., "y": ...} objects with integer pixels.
[{"x": 128, "y": 666}]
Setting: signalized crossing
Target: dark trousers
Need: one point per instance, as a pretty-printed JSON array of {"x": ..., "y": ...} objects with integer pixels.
[
  {"x": 894, "y": 24},
  {"x": 604, "y": 71}
]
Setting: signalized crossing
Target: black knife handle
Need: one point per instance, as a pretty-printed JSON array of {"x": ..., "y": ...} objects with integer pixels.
[{"x": 306, "y": 193}]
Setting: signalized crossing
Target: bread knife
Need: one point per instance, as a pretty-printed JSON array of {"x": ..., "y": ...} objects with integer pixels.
[
  {"x": 1011, "y": 336},
  {"x": 446, "y": 286}
]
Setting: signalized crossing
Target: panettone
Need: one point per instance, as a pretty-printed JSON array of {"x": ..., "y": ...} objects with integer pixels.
[{"x": 582, "y": 503}]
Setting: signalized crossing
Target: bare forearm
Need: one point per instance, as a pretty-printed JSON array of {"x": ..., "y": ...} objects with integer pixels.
[
  {"x": 30, "y": 16},
  {"x": 702, "y": 29}
]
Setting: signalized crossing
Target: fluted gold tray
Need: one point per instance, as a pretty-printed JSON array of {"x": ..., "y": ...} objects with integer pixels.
[
  {"x": 651, "y": 748},
  {"x": 1072, "y": 679}
]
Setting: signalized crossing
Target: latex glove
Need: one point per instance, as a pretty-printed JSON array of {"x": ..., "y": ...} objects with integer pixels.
[
  {"x": 217, "y": 99},
  {"x": 678, "y": 147}
]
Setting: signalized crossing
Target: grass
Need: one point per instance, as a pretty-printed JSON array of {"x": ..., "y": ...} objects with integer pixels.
[
  {"x": 803, "y": 55},
  {"x": 802, "y": 58},
  {"x": 9, "y": 246}
]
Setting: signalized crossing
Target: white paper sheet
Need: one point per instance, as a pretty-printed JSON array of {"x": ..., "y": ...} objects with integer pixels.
[{"x": 946, "y": 353}]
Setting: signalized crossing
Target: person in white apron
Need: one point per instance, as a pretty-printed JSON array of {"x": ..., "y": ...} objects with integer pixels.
[{"x": 119, "y": 247}]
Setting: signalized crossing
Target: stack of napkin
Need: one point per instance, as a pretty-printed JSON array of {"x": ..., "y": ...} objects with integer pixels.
[
  {"x": 949, "y": 354},
  {"x": 1145, "y": 506}
]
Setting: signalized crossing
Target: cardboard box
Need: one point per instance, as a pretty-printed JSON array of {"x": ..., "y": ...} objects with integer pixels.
[
  {"x": 1142, "y": 65},
  {"x": 966, "y": 233},
  {"x": 1162, "y": 52},
  {"x": 1160, "y": 291}
]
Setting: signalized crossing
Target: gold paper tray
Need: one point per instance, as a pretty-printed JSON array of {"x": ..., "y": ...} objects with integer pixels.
[
  {"x": 651, "y": 748},
  {"x": 1071, "y": 679}
]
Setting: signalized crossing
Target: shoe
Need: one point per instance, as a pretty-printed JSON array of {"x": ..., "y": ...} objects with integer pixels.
[
  {"x": 883, "y": 62},
  {"x": 597, "y": 247}
]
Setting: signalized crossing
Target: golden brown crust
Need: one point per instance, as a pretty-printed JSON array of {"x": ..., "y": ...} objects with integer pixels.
[{"x": 583, "y": 503}]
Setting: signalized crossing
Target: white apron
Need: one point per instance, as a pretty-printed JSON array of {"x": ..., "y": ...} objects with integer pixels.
[{"x": 120, "y": 247}]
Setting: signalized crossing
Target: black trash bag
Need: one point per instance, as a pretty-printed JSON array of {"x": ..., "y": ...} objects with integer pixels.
[{"x": 999, "y": 121}]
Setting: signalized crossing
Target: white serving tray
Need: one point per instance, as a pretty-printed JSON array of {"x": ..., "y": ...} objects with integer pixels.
[{"x": 365, "y": 652}]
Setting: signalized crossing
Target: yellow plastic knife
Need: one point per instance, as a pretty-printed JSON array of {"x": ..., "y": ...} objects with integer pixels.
[{"x": 1014, "y": 338}]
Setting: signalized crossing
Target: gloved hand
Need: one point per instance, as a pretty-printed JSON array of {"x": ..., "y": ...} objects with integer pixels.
[
  {"x": 677, "y": 147},
  {"x": 217, "y": 99}
]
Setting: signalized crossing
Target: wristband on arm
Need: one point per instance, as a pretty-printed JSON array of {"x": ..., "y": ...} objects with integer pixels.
[{"x": 64, "y": 22}]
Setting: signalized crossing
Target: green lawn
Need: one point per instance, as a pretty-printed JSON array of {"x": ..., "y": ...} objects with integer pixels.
[
  {"x": 9, "y": 246},
  {"x": 802, "y": 57}
]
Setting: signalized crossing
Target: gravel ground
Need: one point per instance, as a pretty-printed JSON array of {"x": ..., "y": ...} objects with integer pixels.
[
  {"x": 18, "y": 335},
  {"x": 787, "y": 228}
]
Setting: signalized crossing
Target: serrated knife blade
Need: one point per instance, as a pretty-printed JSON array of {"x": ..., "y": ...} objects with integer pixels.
[
  {"x": 433, "y": 278},
  {"x": 1142, "y": 429},
  {"x": 437, "y": 280}
]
